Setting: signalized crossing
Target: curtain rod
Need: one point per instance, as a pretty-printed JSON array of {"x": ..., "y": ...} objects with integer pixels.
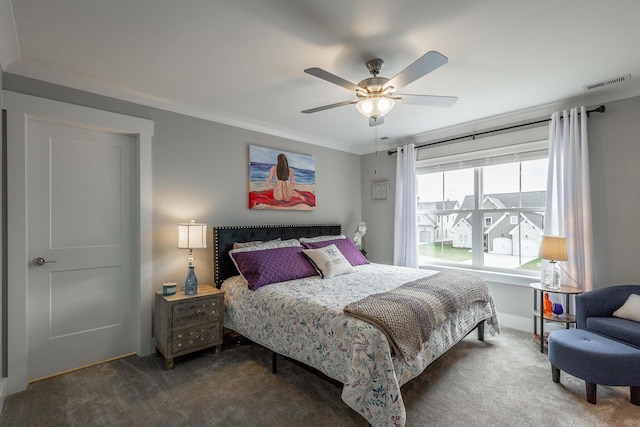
[{"x": 599, "y": 109}]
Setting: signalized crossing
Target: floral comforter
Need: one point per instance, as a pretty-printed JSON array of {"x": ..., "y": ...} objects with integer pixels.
[{"x": 303, "y": 319}]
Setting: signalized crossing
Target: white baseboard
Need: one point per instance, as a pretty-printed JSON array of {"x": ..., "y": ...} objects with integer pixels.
[
  {"x": 525, "y": 324},
  {"x": 3, "y": 392},
  {"x": 516, "y": 322}
]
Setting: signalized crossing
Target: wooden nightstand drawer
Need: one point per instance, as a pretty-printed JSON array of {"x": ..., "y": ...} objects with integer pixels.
[
  {"x": 199, "y": 336},
  {"x": 200, "y": 310}
]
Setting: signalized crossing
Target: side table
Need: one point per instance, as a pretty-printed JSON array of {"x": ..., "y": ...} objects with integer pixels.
[
  {"x": 538, "y": 308},
  {"x": 187, "y": 323}
]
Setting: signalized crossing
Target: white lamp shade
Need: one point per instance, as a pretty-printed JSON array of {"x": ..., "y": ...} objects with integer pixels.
[
  {"x": 376, "y": 106},
  {"x": 192, "y": 235},
  {"x": 553, "y": 248}
]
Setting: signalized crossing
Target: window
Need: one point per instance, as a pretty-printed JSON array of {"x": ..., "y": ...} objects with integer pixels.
[{"x": 493, "y": 211}]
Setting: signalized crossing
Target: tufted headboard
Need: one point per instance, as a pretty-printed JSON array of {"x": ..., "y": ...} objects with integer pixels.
[{"x": 225, "y": 237}]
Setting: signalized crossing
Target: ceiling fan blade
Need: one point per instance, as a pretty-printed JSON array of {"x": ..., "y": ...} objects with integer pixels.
[
  {"x": 429, "y": 100},
  {"x": 332, "y": 78},
  {"x": 327, "y": 107},
  {"x": 424, "y": 65},
  {"x": 375, "y": 121}
]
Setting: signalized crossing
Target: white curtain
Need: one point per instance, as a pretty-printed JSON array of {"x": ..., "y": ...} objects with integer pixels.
[
  {"x": 568, "y": 210},
  {"x": 405, "y": 236}
]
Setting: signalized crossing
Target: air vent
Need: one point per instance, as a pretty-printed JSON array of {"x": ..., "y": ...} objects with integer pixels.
[{"x": 605, "y": 83}]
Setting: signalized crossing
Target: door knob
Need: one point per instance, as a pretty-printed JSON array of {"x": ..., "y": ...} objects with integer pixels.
[{"x": 40, "y": 261}]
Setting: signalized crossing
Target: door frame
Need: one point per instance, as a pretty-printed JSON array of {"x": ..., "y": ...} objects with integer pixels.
[{"x": 20, "y": 108}]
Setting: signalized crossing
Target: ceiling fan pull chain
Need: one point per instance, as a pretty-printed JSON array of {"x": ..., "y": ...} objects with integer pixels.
[
  {"x": 375, "y": 137},
  {"x": 375, "y": 146}
]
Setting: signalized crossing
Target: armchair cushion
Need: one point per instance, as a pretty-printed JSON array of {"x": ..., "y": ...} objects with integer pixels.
[{"x": 626, "y": 331}]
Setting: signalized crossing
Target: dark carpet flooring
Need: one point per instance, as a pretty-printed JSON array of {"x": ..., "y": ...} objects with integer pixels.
[{"x": 503, "y": 381}]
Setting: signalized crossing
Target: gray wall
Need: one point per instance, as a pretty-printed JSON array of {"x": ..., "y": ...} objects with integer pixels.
[
  {"x": 378, "y": 214},
  {"x": 614, "y": 156},
  {"x": 200, "y": 171}
]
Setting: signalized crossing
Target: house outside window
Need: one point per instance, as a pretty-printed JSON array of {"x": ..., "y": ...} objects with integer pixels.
[
  {"x": 496, "y": 207},
  {"x": 431, "y": 226}
]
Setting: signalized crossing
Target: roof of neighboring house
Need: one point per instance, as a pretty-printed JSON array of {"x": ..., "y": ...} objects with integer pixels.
[
  {"x": 535, "y": 218},
  {"x": 462, "y": 217},
  {"x": 530, "y": 199},
  {"x": 438, "y": 206},
  {"x": 429, "y": 219},
  {"x": 493, "y": 200},
  {"x": 428, "y": 210}
]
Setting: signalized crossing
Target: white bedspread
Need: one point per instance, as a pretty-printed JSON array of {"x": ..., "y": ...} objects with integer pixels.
[{"x": 303, "y": 319}]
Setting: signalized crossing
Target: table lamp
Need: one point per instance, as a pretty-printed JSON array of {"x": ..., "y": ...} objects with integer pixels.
[
  {"x": 553, "y": 248},
  {"x": 192, "y": 236}
]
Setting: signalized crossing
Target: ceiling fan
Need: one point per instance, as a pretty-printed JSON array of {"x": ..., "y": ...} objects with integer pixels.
[{"x": 377, "y": 95}]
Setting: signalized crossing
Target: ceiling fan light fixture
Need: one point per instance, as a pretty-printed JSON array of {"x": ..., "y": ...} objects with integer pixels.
[
  {"x": 376, "y": 106},
  {"x": 376, "y": 95}
]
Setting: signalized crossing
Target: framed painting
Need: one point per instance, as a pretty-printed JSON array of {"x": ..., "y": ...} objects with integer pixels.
[
  {"x": 281, "y": 180},
  {"x": 380, "y": 190}
]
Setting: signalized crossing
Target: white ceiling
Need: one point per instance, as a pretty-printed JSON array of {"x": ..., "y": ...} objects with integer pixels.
[{"x": 241, "y": 62}]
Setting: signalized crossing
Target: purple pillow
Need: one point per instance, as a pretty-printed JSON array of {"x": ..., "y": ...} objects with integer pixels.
[
  {"x": 346, "y": 246},
  {"x": 268, "y": 266}
]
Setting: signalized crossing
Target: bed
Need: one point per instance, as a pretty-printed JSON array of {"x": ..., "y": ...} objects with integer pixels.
[{"x": 304, "y": 319}]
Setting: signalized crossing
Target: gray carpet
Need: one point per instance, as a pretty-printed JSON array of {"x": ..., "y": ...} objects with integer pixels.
[{"x": 504, "y": 381}]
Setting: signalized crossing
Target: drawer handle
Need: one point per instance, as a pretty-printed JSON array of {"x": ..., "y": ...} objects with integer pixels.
[{"x": 179, "y": 344}]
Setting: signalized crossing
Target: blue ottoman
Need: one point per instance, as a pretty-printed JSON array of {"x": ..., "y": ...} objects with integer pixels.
[{"x": 595, "y": 359}]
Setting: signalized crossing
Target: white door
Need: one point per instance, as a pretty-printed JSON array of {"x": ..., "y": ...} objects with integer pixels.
[{"x": 81, "y": 290}]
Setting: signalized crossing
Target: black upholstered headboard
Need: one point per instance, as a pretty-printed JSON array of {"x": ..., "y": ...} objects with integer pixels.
[{"x": 225, "y": 237}]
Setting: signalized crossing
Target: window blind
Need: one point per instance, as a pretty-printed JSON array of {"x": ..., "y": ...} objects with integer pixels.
[{"x": 521, "y": 145}]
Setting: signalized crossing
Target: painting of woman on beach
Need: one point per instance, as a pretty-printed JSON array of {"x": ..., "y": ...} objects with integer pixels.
[{"x": 281, "y": 180}]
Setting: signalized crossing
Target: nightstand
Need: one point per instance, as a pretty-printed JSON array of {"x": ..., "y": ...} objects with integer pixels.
[{"x": 187, "y": 323}]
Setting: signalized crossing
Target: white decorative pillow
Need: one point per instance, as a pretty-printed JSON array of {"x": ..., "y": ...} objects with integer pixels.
[
  {"x": 328, "y": 261},
  {"x": 321, "y": 238},
  {"x": 630, "y": 310}
]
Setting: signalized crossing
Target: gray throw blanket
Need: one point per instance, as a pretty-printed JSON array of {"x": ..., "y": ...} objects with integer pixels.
[{"x": 409, "y": 313}]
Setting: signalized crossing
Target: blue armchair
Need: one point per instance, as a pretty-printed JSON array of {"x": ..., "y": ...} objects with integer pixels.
[
  {"x": 594, "y": 312},
  {"x": 603, "y": 349}
]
